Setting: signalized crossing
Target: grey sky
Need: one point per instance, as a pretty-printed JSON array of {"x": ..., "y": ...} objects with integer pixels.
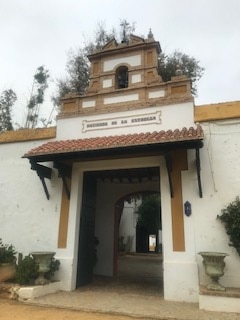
[{"x": 35, "y": 33}]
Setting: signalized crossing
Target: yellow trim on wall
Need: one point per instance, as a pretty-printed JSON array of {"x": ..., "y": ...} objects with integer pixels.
[
  {"x": 219, "y": 111},
  {"x": 63, "y": 222},
  {"x": 27, "y": 135},
  {"x": 179, "y": 164}
]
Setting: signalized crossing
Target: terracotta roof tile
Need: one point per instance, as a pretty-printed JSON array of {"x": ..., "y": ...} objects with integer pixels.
[{"x": 108, "y": 142}]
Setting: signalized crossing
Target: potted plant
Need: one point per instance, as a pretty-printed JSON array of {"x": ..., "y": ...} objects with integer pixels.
[
  {"x": 7, "y": 261},
  {"x": 230, "y": 217},
  {"x": 28, "y": 270}
]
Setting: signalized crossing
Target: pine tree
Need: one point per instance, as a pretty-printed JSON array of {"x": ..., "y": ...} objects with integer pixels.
[{"x": 7, "y": 100}]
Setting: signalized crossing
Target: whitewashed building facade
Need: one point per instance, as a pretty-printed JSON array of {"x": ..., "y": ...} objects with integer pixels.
[{"x": 129, "y": 125}]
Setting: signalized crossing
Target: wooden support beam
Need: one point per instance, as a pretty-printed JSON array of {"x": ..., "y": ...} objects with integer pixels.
[
  {"x": 64, "y": 172},
  {"x": 169, "y": 170},
  {"x": 45, "y": 187},
  {"x": 198, "y": 166},
  {"x": 43, "y": 172}
]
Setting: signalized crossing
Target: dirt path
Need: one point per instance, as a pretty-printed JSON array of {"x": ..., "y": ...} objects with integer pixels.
[{"x": 13, "y": 310}]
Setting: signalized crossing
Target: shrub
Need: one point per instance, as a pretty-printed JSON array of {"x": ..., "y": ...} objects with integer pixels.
[
  {"x": 55, "y": 264},
  {"x": 230, "y": 217},
  {"x": 7, "y": 253},
  {"x": 26, "y": 271}
]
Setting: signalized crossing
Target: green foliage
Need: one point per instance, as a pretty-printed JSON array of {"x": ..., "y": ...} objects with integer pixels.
[
  {"x": 189, "y": 66},
  {"x": 149, "y": 213},
  {"x": 77, "y": 66},
  {"x": 230, "y": 217},
  {"x": 26, "y": 271},
  {"x": 39, "y": 87},
  {"x": 7, "y": 253},
  {"x": 7, "y": 100},
  {"x": 55, "y": 264}
]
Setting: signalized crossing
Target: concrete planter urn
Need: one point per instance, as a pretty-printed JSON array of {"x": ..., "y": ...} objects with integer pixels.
[
  {"x": 7, "y": 271},
  {"x": 43, "y": 260},
  {"x": 214, "y": 267},
  {"x": 7, "y": 262}
]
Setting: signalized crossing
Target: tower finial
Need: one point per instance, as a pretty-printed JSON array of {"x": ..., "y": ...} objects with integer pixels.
[{"x": 150, "y": 34}]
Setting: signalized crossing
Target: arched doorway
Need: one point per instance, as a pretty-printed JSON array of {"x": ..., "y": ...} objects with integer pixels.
[{"x": 134, "y": 261}]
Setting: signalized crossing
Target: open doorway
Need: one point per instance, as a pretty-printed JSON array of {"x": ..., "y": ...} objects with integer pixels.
[
  {"x": 139, "y": 222},
  {"x": 139, "y": 256},
  {"x": 110, "y": 190}
]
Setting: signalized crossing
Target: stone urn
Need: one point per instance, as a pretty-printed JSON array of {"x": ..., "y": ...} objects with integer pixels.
[
  {"x": 214, "y": 268},
  {"x": 7, "y": 271},
  {"x": 43, "y": 260}
]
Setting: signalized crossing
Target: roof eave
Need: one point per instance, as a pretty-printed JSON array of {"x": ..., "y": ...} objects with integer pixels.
[{"x": 132, "y": 151}]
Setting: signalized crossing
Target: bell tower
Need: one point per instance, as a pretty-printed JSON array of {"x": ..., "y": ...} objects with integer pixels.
[
  {"x": 126, "y": 66},
  {"x": 126, "y": 93}
]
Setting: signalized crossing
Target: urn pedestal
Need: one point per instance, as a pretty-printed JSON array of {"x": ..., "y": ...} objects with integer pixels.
[
  {"x": 43, "y": 260},
  {"x": 214, "y": 268}
]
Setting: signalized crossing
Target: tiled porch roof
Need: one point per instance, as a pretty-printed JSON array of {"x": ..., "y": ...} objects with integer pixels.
[{"x": 113, "y": 142}]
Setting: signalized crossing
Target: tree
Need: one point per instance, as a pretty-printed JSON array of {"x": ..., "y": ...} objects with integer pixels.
[
  {"x": 7, "y": 100},
  {"x": 149, "y": 215},
  {"x": 39, "y": 86},
  {"x": 189, "y": 66},
  {"x": 77, "y": 78},
  {"x": 78, "y": 67}
]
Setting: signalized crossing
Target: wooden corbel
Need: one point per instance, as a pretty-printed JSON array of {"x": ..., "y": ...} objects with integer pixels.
[
  {"x": 64, "y": 172},
  {"x": 43, "y": 172}
]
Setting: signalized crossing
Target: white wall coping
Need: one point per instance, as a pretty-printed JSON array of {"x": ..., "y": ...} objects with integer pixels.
[{"x": 226, "y": 301}]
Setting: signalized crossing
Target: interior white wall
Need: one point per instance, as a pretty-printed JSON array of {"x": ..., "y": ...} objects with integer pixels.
[
  {"x": 128, "y": 222},
  {"x": 104, "y": 228}
]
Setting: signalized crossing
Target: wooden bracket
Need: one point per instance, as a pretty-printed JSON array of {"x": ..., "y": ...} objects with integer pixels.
[
  {"x": 43, "y": 172},
  {"x": 64, "y": 172},
  {"x": 169, "y": 170}
]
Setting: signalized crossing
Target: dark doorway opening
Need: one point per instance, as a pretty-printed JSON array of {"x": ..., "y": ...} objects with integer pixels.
[
  {"x": 86, "y": 249},
  {"x": 134, "y": 270}
]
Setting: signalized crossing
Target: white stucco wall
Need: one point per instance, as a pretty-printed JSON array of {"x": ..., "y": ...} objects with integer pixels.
[
  {"x": 221, "y": 184},
  {"x": 28, "y": 220},
  {"x": 111, "y": 64},
  {"x": 172, "y": 117},
  {"x": 220, "y": 174}
]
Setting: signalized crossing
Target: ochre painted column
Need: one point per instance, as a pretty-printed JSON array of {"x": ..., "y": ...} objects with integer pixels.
[
  {"x": 179, "y": 163},
  {"x": 63, "y": 222}
]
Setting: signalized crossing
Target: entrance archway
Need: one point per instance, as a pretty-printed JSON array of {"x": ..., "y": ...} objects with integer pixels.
[
  {"x": 111, "y": 188},
  {"x": 135, "y": 263}
]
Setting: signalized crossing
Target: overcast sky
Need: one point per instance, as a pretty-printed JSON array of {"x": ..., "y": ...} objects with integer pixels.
[{"x": 35, "y": 33}]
